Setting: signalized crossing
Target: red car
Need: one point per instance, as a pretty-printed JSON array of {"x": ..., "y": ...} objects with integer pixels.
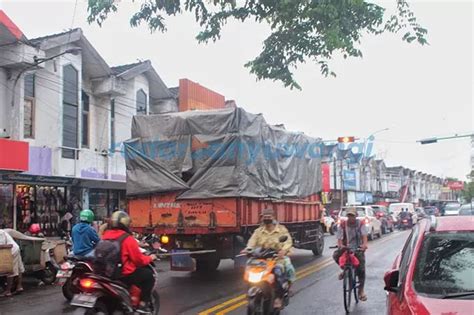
[{"x": 434, "y": 273}]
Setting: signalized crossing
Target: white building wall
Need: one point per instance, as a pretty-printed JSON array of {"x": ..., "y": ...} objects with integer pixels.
[
  {"x": 95, "y": 161},
  {"x": 125, "y": 109}
]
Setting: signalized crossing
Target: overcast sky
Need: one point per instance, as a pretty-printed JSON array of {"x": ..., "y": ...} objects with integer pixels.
[{"x": 415, "y": 91}]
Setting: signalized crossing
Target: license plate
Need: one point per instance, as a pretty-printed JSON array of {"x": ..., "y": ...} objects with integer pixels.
[
  {"x": 84, "y": 300},
  {"x": 61, "y": 281},
  {"x": 64, "y": 274}
]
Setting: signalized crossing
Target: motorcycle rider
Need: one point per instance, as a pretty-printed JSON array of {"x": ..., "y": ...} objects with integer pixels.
[
  {"x": 84, "y": 237},
  {"x": 267, "y": 236},
  {"x": 134, "y": 263}
]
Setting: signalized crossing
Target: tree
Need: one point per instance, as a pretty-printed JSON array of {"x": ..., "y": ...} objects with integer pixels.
[{"x": 301, "y": 30}]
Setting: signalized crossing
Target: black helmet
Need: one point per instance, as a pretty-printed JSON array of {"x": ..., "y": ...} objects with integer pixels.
[{"x": 120, "y": 220}]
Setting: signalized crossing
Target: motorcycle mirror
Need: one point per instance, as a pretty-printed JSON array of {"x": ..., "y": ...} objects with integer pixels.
[{"x": 283, "y": 239}]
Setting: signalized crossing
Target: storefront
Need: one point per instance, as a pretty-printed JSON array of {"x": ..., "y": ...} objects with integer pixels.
[
  {"x": 14, "y": 158},
  {"x": 49, "y": 200}
]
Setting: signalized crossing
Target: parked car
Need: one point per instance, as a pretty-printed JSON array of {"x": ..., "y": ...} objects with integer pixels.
[
  {"x": 367, "y": 215},
  {"x": 467, "y": 209},
  {"x": 432, "y": 210},
  {"x": 388, "y": 224},
  {"x": 451, "y": 208},
  {"x": 396, "y": 208},
  {"x": 433, "y": 272}
]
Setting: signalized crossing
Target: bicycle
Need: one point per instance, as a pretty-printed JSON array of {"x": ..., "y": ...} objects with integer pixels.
[{"x": 349, "y": 263}]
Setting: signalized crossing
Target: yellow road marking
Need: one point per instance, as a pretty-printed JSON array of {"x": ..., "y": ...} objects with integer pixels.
[
  {"x": 233, "y": 307},
  {"x": 307, "y": 273},
  {"x": 313, "y": 266},
  {"x": 219, "y": 306},
  {"x": 243, "y": 296},
  {"x": 300, "y": 274}
]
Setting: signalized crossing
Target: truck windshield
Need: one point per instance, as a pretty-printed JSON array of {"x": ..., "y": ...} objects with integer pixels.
[{"x": 445, "y": 265}]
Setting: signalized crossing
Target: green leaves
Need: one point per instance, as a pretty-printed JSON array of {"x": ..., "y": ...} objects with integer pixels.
[{"x": 301, "y": 30}]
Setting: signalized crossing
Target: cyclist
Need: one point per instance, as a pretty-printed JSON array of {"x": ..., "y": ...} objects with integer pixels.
[{"x": 353, "y": 234}]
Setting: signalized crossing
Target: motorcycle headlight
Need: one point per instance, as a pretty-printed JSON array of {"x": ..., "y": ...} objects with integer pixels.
[{"x": 255, "y": 277}]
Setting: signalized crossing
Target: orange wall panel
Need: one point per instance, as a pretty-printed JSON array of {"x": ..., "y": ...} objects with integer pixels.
[{"x": 193, "y": 96}]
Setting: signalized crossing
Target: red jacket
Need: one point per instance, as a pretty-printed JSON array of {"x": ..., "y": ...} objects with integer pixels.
[{"x": 132, "y": 258}]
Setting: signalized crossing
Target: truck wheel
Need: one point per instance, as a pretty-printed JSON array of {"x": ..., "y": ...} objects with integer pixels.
[
  {"x": 207, "y": 265},
  {"x": 318, "y": 246}
]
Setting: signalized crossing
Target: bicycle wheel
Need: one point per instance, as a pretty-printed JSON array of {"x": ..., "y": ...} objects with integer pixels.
[
  {"x": 355, "y": 281},
  {"x": 347, "y": 286}
]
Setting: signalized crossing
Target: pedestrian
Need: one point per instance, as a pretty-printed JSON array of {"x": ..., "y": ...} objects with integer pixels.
[{"x": 18, "y": 267}]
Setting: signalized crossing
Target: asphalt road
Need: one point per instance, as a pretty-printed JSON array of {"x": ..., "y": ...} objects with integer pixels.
[{"x": 317, "y": 290}]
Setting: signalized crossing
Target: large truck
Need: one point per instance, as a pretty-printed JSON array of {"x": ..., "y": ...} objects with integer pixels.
[{"x": 201, "y": 179}]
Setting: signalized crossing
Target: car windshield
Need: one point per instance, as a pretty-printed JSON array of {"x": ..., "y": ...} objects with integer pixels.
[
  {"x": 360, "y": 212},
  {"x": 467, "y": 210},
  {"x": 430, "y": 210},
  {"x": 452, "y": 206},
  {"x": 445, "y": 264},
  {"x": 377, "y": 208}
]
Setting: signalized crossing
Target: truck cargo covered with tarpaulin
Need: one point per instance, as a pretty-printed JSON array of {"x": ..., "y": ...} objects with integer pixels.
[
  {"x": 200, "y": 180},
  {"x": 220, "y": 153}
]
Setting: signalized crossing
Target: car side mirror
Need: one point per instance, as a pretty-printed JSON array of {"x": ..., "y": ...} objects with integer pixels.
[
  {"x": 283, "y": 239},
  {"x": 391, "y": 281}
]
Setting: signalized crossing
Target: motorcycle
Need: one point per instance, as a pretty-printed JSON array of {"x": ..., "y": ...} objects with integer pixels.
[
  {"x": 102, "y": 295},
  {"x": 405, "y": 222},
  {"x": 259, "y": 274},
  {"x": 71, "y": 270}
]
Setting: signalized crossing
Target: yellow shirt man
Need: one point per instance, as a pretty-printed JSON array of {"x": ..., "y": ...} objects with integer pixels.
[{"x": 262, "y": 237}]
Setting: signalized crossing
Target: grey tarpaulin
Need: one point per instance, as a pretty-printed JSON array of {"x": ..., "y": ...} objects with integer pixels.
[
  {"x": 145, "y": 176},
  {"x": 221, "y": 153}
]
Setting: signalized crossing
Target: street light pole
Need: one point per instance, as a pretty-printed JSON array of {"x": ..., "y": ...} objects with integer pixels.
[{"x": 436, "y": 139}]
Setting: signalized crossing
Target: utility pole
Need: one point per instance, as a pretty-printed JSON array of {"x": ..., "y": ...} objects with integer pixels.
[
  {"x": 342, "y": 184},
  {"x": 436, "y": 139}
]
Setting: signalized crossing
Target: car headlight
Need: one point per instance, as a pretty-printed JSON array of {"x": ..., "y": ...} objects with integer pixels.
[{"x": 255, "y": 277}]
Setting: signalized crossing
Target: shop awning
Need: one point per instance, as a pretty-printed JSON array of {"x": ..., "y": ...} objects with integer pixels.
[
  {"x": 60, "y": 181},
  {"x": 9, "y": 32}
]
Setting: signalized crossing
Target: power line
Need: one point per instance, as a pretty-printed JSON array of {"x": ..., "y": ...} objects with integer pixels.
[
  {"x": 89, "y": 62},
  {"x": 60, "y": 85}
]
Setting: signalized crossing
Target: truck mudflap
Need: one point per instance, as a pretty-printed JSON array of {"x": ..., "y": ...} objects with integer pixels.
[{"x": 185, "y": 260}]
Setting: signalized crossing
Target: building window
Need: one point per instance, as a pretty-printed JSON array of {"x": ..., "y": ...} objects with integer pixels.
[
  {"x": 112, "y": 126},
  {"x": 70, "y": 111},
  {"x": 29, "y": 106},
  {"x": 85, "y": 119},
  {"x": 142, "y": 102}
]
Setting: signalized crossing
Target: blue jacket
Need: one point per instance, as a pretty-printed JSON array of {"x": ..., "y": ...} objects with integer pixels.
[{"x": 84, "y": 239}]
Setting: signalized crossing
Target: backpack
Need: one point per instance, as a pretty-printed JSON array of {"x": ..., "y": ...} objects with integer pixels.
[{"x": 108, "y": 257}]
